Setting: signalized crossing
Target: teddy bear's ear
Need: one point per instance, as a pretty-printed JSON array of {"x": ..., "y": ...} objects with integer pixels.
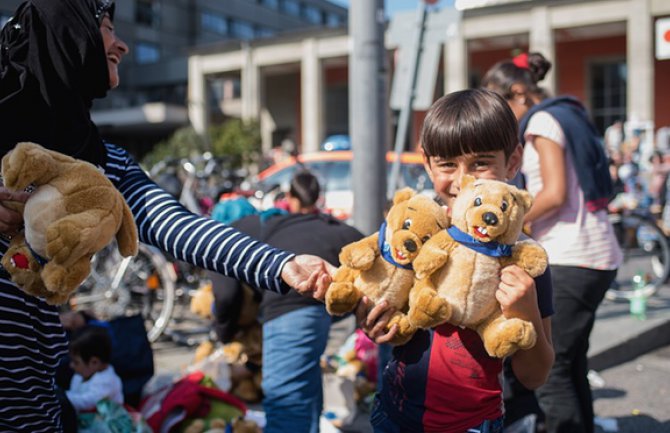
[
  {"x": 403, "y": 195},
  {"x": 524, "y": 198},
  {"x": 467, "y": 180}
]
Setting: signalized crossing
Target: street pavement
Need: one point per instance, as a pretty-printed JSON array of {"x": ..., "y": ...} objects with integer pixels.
[{"x": 630, "y": 359}]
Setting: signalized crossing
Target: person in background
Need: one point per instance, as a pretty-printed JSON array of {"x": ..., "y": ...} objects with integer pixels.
[
  {"x": 567, "y": 172},
  {"x": 56, "y": 57},
  {"x": 94, "y": 378},
  {"x": 443, "y": 380},
  {"x": 614, "y": 137},
  {"x": 295, "y": 328}
]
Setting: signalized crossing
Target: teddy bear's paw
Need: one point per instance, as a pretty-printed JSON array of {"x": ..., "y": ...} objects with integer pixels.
[
  {"x": 405, "y": 329},
  {"x": 63, "y": 238},
  {"x": 512, "y": 335},
  {"x": 403, "y": 323},
  {"x": 428, "y": 310},
  {"x": 341, "y": 298},
  {"x": 359, "y": 258},
  {"x": 530, "y": 257},
  {"x": 426, "y": 264}
]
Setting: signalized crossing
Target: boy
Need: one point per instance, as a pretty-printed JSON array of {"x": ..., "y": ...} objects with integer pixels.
[
  {"x": 94, "y": 379},
  {"x": 443, "y": 380}
]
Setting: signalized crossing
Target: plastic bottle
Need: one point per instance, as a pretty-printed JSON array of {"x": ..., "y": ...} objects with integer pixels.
[{"x": 638, "y": 302}]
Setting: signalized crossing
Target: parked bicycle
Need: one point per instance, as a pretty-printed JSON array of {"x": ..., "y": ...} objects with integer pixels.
[
  {"x": 118, "y": 286},
  {"x": 152, "y": 283},
  {"x": 646, "y": 254}
]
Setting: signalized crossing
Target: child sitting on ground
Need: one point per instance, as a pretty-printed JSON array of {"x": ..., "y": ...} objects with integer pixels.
[{"x": 94, "y": 379}]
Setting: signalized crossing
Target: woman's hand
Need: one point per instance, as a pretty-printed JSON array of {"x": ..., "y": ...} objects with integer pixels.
[
  {"x": 373, "y": 320},
  {"x": 309, "y": 275},
  {"x": 11, "y": 221}
]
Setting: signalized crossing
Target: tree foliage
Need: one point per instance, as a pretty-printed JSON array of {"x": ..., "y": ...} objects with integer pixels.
[{"x": 235, "y": 141}]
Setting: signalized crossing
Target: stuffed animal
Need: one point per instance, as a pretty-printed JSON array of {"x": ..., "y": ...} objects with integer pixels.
[
  {"x": 73, "y": 212},
  {"x": 380, "y": 266},
  {"x": 458, "y": 270}
]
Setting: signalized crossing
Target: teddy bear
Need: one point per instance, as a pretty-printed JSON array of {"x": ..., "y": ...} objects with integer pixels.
[
  {"x": 380, "y": 266},
  {"x": 73, "y": 212},
  {"x": 458, "y": 270}
]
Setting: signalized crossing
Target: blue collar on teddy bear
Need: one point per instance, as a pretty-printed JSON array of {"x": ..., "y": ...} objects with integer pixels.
[{"x": 492, "y": 249}]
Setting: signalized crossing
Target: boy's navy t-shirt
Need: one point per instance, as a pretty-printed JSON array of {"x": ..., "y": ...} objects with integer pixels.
[{"x": 444, "y": 381}]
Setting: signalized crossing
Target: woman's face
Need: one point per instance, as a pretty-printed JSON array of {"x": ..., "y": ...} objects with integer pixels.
[
  {"x": 115, "y": 49},
  {"x": 520, "y": 101}
]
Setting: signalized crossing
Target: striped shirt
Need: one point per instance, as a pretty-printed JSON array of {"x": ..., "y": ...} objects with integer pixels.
[
  {"x": 572, "y": 236},
  {"x": 32, "y": 339}
]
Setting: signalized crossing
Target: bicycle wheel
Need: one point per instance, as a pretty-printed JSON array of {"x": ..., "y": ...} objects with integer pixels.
[
  {"x": 117, "y": 286},
  {"x": 646, "y": 253}
]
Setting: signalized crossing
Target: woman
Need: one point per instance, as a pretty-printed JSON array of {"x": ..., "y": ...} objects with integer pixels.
[
  {"x": 56, "y": 56},
  {"x": 567, "y": 172}
]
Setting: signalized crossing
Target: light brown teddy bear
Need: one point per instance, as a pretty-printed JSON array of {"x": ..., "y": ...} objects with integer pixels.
[
  {"x": 380, "y": 266},
  {"x": 458, "y": 270},
  {"x": 73, "y": 212}
]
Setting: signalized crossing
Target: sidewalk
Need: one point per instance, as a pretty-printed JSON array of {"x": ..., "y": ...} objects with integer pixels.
[{"x": 617, "y": 337}]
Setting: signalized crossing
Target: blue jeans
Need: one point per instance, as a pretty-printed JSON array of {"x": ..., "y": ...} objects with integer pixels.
[{"x": 292, "y": 385}]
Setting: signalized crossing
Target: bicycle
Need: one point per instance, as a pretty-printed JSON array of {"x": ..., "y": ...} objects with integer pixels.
[
  {"x": 117, "y": 286},
  {"x": 152, "y": 284},
  {"x": 646, "y": 255}
]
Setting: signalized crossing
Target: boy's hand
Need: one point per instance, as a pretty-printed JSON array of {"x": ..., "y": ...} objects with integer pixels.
[
  {"x": 517, "y": 295},
  {"x": 373, "y": 319},
  {"x": 309, "y": 275}
]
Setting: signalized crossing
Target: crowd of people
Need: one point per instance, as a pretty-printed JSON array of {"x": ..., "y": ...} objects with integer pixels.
[{"x": 58, "y": 55}]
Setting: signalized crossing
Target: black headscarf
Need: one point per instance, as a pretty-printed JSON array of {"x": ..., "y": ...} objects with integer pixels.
[{"x": 52, "y": 65}]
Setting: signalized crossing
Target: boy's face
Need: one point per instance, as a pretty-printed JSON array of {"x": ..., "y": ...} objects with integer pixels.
[
  {"x": 446, "y": 174},
  {"x": 85, "y": 369}
]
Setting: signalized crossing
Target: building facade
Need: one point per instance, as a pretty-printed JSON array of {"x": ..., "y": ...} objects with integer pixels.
[
  {"x": 152, "y": 99},
  {"x": 603, "y": 52}
]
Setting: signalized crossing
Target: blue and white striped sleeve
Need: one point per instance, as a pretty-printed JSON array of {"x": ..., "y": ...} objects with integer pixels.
[{"x": 164, "y": 223}]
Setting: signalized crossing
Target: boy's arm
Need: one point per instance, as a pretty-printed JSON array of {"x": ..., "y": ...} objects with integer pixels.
[
  {"x": 518, "y": 298},
  {"x": 531, "y": 367}
]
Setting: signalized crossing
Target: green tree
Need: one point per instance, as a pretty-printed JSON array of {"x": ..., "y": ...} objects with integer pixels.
[
  {"x": 183, "y": 143},
  {"x": 235, "y": 141},
  {"x": 238, "y": 141}
]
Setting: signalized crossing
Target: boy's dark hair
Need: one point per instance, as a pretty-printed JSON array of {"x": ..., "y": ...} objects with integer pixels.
[
  {"x": 469, "y": 121},
  {"x": 305, "y": 187},
  {"x": 92, "y": 341}
]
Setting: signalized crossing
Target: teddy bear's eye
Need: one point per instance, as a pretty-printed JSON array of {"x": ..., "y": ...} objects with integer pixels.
[
  {"x": 425, "y": 239},
  {"x": 503, "y": 206},
  {"x": 407, "y": 224},
  {"x": 478, "y": 201}
]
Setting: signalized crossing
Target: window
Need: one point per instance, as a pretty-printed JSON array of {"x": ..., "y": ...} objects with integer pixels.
[
  {"x": 146, "y": 13},
  {"x": 333, "y": 20},
  {"x": 241, "y": 29},
  {"x": 213, "y": 22},
  {"x": 146, "y": 52},
  {"x": 608, "y": 92},
  {"x": 272, "y": 4},
  {"x": 291, "y": 7},
  {"x": 311, "y": 14},
  {"x": 263, "y": 32}
]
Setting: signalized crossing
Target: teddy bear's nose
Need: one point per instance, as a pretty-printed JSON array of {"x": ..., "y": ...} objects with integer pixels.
[
  {"x": 410, "y": 245},
  {"x": 490, "y": 218}
]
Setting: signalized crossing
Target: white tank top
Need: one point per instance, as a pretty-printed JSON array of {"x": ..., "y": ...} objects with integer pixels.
[{"x": 572, "y": 236}]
